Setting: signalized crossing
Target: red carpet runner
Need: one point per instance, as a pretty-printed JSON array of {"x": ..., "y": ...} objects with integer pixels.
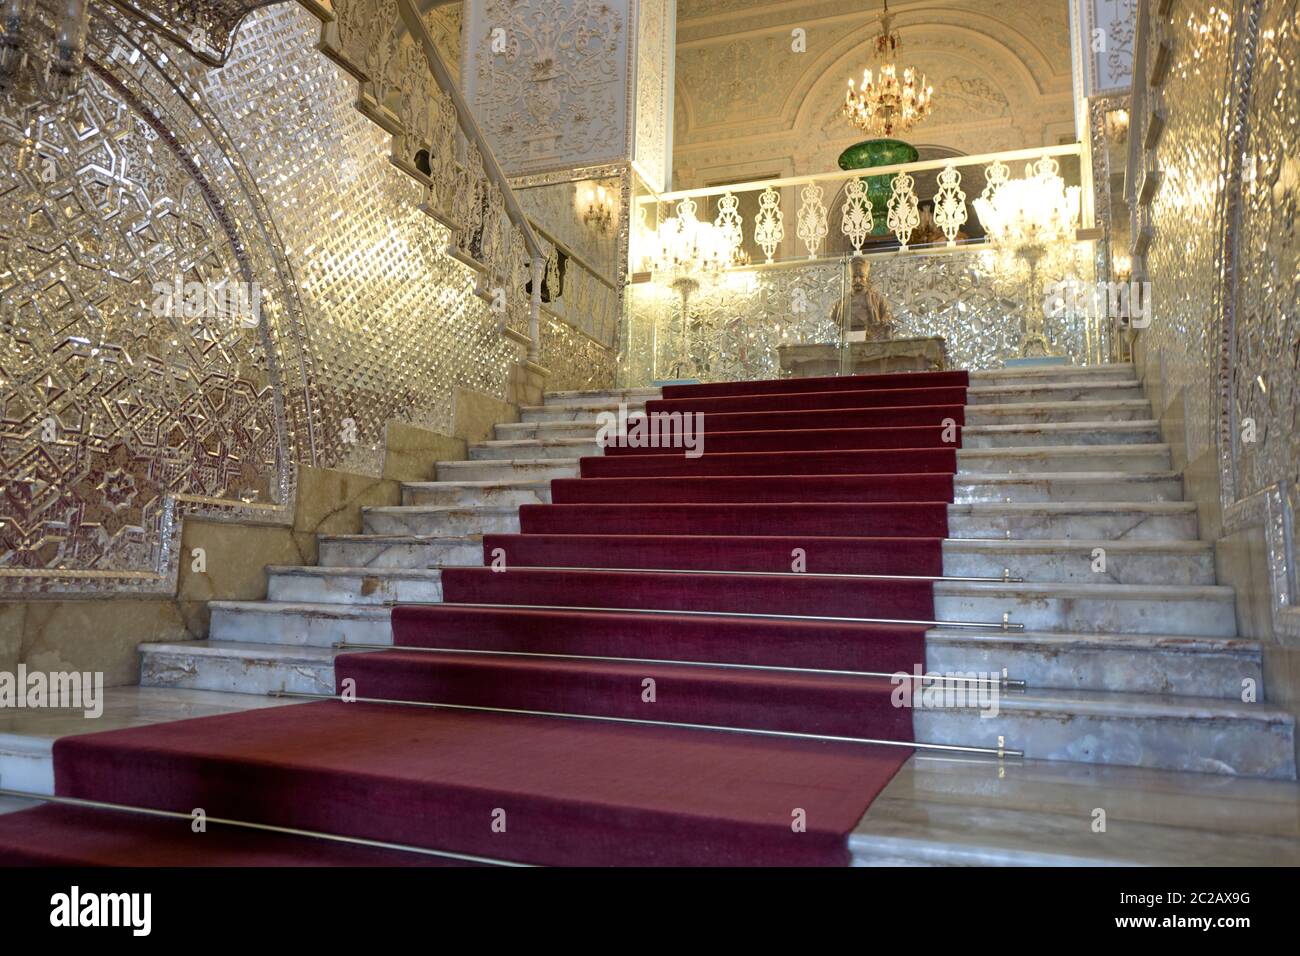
[{"x": 628, "y": 575}]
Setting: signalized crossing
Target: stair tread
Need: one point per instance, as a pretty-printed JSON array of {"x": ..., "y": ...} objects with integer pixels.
[
  {"x": 1136, "y": 425},
  {"x": 1053, "y": 450},
  {"x": 1103, "y": 703},
  {"x": 1071, "y": 507},
  {"x": 402, "y": 538},
  {"x": 1021, "y": 477},
  {"x": 315, "y": 570},
  {"x": 360, "y": 611},
  {"x": 550, "y": 462},
  {"x": 1057, "y": 545},
  {"x": 483, "y": 485},
  {"x": 1153, "y": 592},
  {"x": 1062, "y": 639},
  {"x": 295, "y": 653},
  {"x": 440, "y": 509}
]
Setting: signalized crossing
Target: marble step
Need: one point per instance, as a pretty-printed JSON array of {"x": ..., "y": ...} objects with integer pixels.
[
  {"x": 1065, "y": 486},
  {"x": 639, "y": 394},
  {"x": 1072, "y": 561},
  {"x": 27, "y": 736},
  {"x": 1061, "y": 433},
  {"x": 491, "y": 493},
  {"x": 335, "y": 585},
  {"x": 1204, "y": 734},
  {"x": 575, "y": 411},
  {"x": 399, "y": 551},
  {"x": 1127, "y": 663},
  {"x": 1130, "y": 458},
  {"x": 976, "y": 416},
  {"x": 1194, "y": 610},
  {"x": 318, "y": 625},
  {"x": 1055, "y": 374},
  {"x": 525, "y": 431},
  {"x": 530, "y": 469},
  {"x": 940, "y": 812},
  {"x": 1002, "y": 394},
  {"x": 440, "y": 520},
  {"x": 237, "y": 667},
  {"x": 1151, "y": 730},
  {"x": 1154, "y": 664},
  {"x": 534, "y": 449},
  {"x": 1112, "y": 521},
  {"x": 1028, "y": 413}
]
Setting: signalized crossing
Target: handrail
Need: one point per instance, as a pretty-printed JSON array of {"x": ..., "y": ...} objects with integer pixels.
[
  {"x": 1065, "y": 149},
  {"x": 469, "y": 126}
]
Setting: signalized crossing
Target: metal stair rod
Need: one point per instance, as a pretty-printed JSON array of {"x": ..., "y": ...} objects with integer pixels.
[
  {"x": 999, "y": 751},
  {"x": 1004, "y": 683},
  {"x": 250, "y": 825},
  {"x": 1004, "y": 625},
  {"x": 1000, "y": 579}
]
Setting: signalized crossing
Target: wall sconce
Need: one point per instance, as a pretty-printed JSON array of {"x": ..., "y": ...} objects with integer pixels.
[
  {"x": 1116, "y": 125},
  {"x": 598, "y": 210},
  {"x": 1122, "y": 267}
]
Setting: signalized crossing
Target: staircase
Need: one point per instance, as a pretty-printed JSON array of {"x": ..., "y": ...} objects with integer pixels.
[{"x": 1131, "y": 661}]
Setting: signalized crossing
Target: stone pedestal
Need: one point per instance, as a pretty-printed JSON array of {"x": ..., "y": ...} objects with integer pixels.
[{"x": 927, "y": 354}]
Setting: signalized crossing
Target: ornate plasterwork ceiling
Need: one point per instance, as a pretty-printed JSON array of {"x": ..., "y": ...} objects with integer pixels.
[{"x": 747, "y": 102}]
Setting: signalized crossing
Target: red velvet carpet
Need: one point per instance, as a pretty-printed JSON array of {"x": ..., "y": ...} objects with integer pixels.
[{"x": 827, "y": 477}]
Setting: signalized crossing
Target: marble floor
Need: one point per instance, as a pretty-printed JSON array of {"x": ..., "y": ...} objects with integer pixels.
[
  {"x": 936, "y": 811},
  {"x": 27, "y": 736},
  {"x": 971, "y": 812}
]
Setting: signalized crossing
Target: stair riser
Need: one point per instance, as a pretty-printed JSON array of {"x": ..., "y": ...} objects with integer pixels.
[
  {"x": 234, "y": 674},
  {"x": 1239, "y": 746},
  {"x": 1004, "y": 394},
  {"x": 974, "y": 462},
  {"x": 1106, "y": 526},
  {"x": 607, "y": 395},
  {"x": 1097, "y": 375},
  {"x": 1207, "y": 617},
  {"x": 1076, "y": 567},
  {"x": 504, "y": 471},
  {"x": 375, "y": 554},
  {"x": 508, "y": 453},
  {"x": 446, "y": 523},
  {"x": 598, "y": 398},
  {"x": 1098, "y": 667},
  {"x": 376, "y": 588},
  {"x": 522, "y": 431},
  {"x": 31, "y": 770},
  {"x": 296, "y": 628},
  {"x": 1056, "y": 414},
  {"x": 1060, "y": 490},
  {"x": 569, "y": 413},
  {"x": 450, "y": 494},
  {"x": 1028, "y": 436}
]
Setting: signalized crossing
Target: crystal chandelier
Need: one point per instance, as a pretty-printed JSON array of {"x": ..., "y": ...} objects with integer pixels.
[
  {"x": 43, "y": 47},
  {"x": 1026, "y": 219},
  {"x": 884, "y": 103},
  {"x": 684, "y": 254}
]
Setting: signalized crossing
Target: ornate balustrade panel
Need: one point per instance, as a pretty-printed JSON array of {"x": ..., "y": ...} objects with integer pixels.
[
  {"x": 399, "y": 91},
  {"x": 927, "y": 251},
  {"x": 913, "y": 205}
]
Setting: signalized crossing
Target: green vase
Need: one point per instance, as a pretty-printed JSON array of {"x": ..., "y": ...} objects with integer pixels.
[{"x": 878, "y": 152}]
